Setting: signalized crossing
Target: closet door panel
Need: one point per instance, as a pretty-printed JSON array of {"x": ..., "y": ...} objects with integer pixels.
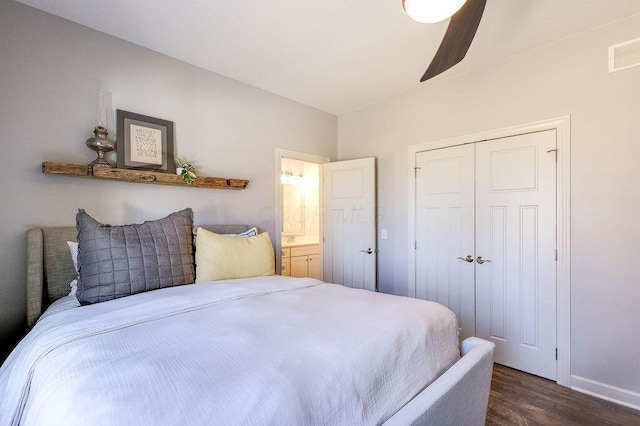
[
  {"x": 445, "y": 231},
  {"x": 515, "y": 236}
]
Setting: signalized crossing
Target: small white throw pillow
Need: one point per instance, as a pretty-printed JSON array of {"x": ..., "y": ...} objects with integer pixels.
[
  {"x": 248, "y": 233},
  {"x": 73, "y": 248}
]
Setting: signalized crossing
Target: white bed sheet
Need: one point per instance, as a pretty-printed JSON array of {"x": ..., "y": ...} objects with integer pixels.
[{"x": 269, "y": 350}]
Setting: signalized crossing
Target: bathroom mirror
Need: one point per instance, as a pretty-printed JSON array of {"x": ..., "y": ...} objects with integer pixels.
[{"x": 293, "y": 210}]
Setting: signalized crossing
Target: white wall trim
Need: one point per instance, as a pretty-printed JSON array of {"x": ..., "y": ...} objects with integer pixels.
[
  {"x": 607, "y": 392},
  {"x": 294, "y": 155},
  {"x": 562, "y": 125}
]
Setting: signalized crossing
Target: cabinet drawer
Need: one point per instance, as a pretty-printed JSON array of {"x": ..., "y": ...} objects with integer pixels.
[
  {"x": 286, "y": 252},
  {"x": 305, "y": 250},
  {"x": 286, "y": 267}
]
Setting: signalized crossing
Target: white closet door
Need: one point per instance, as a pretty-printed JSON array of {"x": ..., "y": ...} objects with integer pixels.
[
  {"x": 516, "y": 234},
  {"x": 445, "y": 231}
]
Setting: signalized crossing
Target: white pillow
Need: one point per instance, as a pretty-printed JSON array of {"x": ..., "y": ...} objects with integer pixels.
[
  {"x": 221, "y": 257},
  {"x": 252, "y": 232},
  {"x": 248, "y": 233},
  {"x": 73, "y": 248}
]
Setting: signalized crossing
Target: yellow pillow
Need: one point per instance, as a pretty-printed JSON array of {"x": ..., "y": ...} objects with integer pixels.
[{"x": 222, "y": 257}]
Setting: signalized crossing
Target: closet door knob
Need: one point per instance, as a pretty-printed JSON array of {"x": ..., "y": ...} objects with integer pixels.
[
  {"x": 469, "y": 258},
  {"x": 480, "y": 260},
  {"x": 368, "y": 251}
]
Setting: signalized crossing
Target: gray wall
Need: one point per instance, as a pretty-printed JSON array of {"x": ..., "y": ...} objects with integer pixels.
[
  {"x": 565, "y": 78},
  {"x": 50, "y": 69}
]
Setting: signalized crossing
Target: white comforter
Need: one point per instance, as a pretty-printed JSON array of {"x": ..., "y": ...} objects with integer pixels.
[{"x": 271, "y": 350}]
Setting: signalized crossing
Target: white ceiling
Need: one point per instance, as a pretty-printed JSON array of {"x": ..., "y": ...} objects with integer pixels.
[{"x": 335, "y": 55}]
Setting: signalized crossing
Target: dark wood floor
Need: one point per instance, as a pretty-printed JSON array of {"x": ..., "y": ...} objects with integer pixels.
[{"x": 519, "y": 398}]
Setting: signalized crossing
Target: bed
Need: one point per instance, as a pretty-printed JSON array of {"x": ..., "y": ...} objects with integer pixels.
[{"x": 269, "y": 350}]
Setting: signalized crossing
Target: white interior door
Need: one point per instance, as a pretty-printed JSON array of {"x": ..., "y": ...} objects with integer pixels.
[
  {"x": 349, "y": 250},
  {"x": 493, "y": 200},
  {"x": 516, "y": 235},
  {"x": 445, "y": 231}
]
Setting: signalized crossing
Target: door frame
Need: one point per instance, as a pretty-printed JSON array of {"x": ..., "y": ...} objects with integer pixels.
[
  {"x": 281, "y": 153},
  {"x": 562, "y": 126}
]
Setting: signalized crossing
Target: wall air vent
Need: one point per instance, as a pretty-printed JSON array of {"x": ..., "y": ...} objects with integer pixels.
[{"x": 624, "y": 55}]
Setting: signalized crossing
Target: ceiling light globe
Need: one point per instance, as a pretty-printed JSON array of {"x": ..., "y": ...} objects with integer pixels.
[{"x": 431, "y": 11}]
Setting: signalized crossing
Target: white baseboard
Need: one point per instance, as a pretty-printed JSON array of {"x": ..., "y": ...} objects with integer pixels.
[{"x": 603, "y": 391}]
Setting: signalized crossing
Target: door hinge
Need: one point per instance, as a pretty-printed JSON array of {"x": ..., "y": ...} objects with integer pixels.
[
  {"x": 556, "y": 254},
  {"x": 556, "y": 354},
  {"x": 555, "y": 151},
  {"x": 415, "y": 171},
  {"x": 415, "y": 245}
]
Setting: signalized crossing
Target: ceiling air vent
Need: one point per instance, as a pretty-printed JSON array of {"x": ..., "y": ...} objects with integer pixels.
[{"x": 624, "y": 55}]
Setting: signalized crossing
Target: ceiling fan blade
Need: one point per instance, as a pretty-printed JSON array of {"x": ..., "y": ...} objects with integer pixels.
[{"x": 457, "y": 39}]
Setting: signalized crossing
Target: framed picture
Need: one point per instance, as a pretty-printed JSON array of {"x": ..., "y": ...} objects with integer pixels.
[{"x": 144, "y": 142}]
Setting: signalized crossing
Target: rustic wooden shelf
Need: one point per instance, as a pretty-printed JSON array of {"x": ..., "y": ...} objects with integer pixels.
[{"x": 139, "y": 176}]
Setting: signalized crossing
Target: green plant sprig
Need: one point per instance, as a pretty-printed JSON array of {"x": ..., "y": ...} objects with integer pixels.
[{"x": 188, "y": 173}]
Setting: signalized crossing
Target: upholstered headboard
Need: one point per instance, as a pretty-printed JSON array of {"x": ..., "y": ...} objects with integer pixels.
[{"x": 50, "y": 269}]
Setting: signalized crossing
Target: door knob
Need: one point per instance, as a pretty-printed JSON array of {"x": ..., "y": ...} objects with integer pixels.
[
  {"x": 368, "y": 251},
  {"x": 480, "y": 260},
  {"x": 469, "y": 258}
]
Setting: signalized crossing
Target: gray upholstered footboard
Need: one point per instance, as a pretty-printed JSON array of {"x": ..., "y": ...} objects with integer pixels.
[{"x": 459, "y": 397}]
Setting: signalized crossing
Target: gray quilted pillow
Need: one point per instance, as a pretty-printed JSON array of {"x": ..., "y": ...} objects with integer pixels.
[{"x": 117, "y": 261}]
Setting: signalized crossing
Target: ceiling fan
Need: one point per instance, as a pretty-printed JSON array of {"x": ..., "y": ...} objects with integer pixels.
[{"x": 465, "y": 19}]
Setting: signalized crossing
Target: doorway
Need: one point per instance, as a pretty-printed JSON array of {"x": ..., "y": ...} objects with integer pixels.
[
  {"x": 301, "y": 244},
  {"x": 489, "y": 199},
  {"x": 298, "y": 213},
  {"x": 326, "y": 219}
]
